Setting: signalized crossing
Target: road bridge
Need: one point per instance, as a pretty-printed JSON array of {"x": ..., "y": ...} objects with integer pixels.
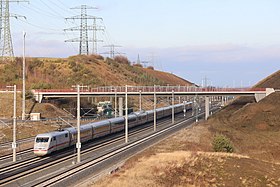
[
  {"x": 121, "y": 91},
  {"x": 259, "y": 93}
]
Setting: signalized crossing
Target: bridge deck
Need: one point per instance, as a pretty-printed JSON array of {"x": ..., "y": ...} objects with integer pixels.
[{"x": 146, "y": 90}]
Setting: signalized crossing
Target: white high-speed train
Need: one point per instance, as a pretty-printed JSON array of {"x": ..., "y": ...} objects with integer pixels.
[{"x": 49, "y": 142}]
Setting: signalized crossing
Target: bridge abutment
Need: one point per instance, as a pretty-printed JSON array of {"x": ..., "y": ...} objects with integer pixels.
[{"x": 260, "y": 96}]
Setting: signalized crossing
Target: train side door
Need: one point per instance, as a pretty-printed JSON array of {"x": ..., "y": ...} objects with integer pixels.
[{"x": 54, "y": 143}]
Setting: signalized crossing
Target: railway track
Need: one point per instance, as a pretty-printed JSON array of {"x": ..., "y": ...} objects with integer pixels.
[
  {"x": 20, "y": 141},
  {"x": 19, "y": 154},
  {"x": 22, "y": 165},
  {"x": 7, "y": 146},
  {"x": 70, "y": 172},
  {"x": 42, "y": 172},
  {"x": 9, "y": 174}
]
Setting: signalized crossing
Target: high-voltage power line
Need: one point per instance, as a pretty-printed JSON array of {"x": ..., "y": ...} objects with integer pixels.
[{"x": 84, "y": 28}]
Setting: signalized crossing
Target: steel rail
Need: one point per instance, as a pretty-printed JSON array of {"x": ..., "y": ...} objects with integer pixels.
[
  {"x": 93, "y": 162},
  {"x": 9, "y": 168},
  {"x": 28, "y": 171},
  {"x": 5, "y": 144},
  {"x": 18, "y": 153}
]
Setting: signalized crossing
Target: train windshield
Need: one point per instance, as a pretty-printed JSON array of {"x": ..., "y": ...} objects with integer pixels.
[{"x": 42, "y": 140}]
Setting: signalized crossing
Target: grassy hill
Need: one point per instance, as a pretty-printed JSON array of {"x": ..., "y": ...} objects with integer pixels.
[
  {"x": 188, "y": 158},
  {"x": 271, "y": 81},
  {"x": 59, "y": 73},
  {"x": 85, "y": 70}
]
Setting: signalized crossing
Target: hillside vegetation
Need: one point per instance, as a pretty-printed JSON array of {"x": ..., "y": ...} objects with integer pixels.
[
  {"x": 188, "y": 158},
  {"x": 59, "y": 73},
  {"x": 91, "y": 70}
]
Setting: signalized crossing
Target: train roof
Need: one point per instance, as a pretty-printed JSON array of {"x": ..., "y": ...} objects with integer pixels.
[
  {"x": 100, "y": 123},
  {"x": 159, "y": 109},
  {"x": 150, "y": 111},
  {"x": 115, "y": 120},
  {"x": 130, "y": 116},
  {"x": 72, "y": 130},
  {"x": 141, "y": 113}
]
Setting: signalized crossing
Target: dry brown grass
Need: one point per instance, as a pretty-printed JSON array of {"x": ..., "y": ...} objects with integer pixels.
[
  {"x": 185, "y": 168},
  {"x": 6, "y": 104},
  {"x": 185, "y": 159},
  {"x": 271, "y": 81},
  {"x": 87, "y": 70}
]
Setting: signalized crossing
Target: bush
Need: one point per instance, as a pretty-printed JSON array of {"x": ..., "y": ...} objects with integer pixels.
[
  {"x": 222, "y": 144},
  {"x": 28, "y": 94},
  {"x": 41, "y": 85},
  {"x": 138, "y": 65},
  {"x": 122, "y": 59},
  {"x": 150, "y": 67}
]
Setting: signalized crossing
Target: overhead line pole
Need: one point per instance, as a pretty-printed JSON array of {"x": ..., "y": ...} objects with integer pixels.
[
  {"x": 78, "y": 126},
  {"x": 173, "y": 106},
  {"x": 115, "y": 102},
  {"x": 78, "y": 144},
  {"x": 14, "y": 125},
  {"x": 126, "y": 116},
  {"x": 14, "y": 144},
  {"x": 23, "y": 78},
  {"x": 155, "y": 106},
  {"x": 140, "y": 100}
]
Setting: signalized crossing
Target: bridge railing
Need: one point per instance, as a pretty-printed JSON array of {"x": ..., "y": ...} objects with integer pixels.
[
  {"x": 112, "y": 89},
  {"x": 163, "y": 89}
]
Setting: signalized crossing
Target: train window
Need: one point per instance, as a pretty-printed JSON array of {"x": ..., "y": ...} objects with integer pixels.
[
  {"x": 54, "y": 138},
  {"x": 132, "y": 120},
  {"x": 42, "y": 140},
  {"x": 66, "y": 135}
]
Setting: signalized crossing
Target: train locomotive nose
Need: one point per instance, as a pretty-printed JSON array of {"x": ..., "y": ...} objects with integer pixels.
[{"x": 40, "y": 151}]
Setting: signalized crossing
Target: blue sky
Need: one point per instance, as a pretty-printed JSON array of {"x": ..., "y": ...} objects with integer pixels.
[{"x": 231, "y": 42}]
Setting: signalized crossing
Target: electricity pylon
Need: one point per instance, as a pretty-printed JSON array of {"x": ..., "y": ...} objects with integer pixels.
[
  {"x": 5, "y": 35},
  {"x": 96, "y": 28},
  {"x": 112, "y": 51},
  {"x": 84, "y": 28}
]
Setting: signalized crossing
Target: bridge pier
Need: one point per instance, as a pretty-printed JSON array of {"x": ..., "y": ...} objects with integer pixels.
[
  {"x": 207, "y": 106},
  {"x": 38, "y": 97},
  {"x": 223, "y": 101},
  {"x": 140, "y": 100}
]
